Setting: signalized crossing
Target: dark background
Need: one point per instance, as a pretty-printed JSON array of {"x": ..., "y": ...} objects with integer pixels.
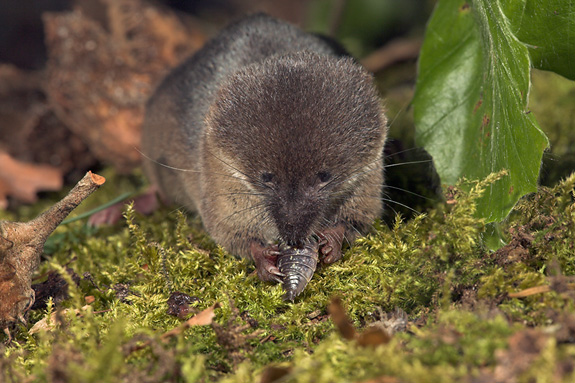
[{"x": 363, "y": 26}]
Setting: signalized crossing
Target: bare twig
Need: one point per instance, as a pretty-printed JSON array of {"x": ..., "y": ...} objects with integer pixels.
[
  {"x": 392, "y": 52},
  {"x": 336, "y": 17},
  {"x": 22, "y": 243},
  {"x": 536, "y": 290}
]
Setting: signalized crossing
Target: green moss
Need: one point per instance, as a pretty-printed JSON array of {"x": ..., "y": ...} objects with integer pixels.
[{"x": 433, "y": 266}]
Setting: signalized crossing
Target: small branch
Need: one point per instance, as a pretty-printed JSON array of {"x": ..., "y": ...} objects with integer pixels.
[
  {"x": 50, "y": 219},
  {"x": 530, "y": 291},
  {"x": 537, "y": 290},
  {"x": 391, "y": 53},
  {"x": 336, "y": 17},
  {"x": 22, "y": 243}
]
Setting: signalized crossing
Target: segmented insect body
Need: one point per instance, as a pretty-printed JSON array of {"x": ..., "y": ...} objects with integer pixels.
[{"x": 298, "y": 265}]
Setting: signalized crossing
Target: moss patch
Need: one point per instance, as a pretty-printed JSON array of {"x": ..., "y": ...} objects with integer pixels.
[{"x": 463, "y": 323}]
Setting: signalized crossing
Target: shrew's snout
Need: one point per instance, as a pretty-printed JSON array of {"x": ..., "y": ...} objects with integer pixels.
[
  {"x": 295, "y": 228},
  {"x": 295, "y": 217}
]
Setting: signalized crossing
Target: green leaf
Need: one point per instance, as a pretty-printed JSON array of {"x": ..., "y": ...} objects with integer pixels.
[
  {"x": 470, "y": 104},
  {"x": 547, "y": 28}
]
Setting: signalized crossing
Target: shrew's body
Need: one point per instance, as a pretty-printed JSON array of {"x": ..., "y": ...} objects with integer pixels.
[{"x": 280, "y": 136}]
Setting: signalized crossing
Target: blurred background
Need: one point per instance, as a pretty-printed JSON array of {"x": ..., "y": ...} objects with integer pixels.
[
  {"x": 361, "y": 25},
  {"x": 75, "y": 75}
]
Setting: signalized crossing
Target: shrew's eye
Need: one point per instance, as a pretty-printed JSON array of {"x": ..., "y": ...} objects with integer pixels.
[
  {"x": 324, "y": 176},
  {"x": 267, "y": 177}
]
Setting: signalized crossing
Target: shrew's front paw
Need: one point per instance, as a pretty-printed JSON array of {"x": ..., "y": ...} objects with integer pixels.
[
  {"x": 330, "y": 242},
  {"x": 265, "y": 258}
]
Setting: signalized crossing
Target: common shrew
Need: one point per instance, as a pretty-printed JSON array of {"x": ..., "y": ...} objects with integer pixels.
[{"x": 272, "y": 136}]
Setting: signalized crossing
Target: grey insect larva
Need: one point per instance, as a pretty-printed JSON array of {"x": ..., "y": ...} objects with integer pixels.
[{"x": 298, "y": 266}]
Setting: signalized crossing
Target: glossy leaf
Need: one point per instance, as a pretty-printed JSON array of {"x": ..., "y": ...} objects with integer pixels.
[
  {"x": 547, "y": 28},
  {"x": 470, "y": 104}
]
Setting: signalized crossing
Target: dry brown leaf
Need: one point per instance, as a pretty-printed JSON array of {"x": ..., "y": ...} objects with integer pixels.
[
  {"x": 22, "y": 180},
  {"x": 203, "y": 318},
  {"x": 273, "y": 374},
  {"x": 373, "y": 336},
  {"x": 49, "y": 323},
  {"x": 376, "y": 334},
  {"x": 339, "y": 317}
]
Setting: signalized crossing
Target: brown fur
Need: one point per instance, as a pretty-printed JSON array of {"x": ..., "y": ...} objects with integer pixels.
[{"x": 280, "y": 138}]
